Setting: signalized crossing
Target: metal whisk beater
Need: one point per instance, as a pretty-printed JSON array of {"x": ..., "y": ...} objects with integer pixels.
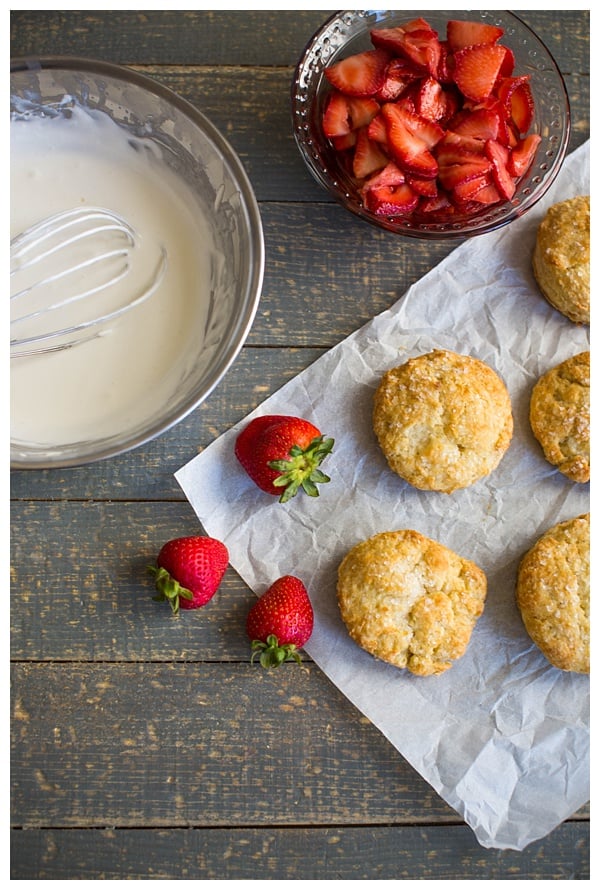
[{"x": 73, "y": 262}]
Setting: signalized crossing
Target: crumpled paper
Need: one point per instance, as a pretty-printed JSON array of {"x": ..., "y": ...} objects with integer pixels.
[{"x": 502, "y": 735}]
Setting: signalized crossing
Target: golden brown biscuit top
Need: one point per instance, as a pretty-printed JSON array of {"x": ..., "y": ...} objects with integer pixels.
[
  {"x": 559, "y": 414},
  {"x": 409, "y": 600},
  {"x": 553, "y": 594},
  {"x": 443, "y": 420},
  {"x": 561, "y": 258},
  {"x": 564, "y": 234}
]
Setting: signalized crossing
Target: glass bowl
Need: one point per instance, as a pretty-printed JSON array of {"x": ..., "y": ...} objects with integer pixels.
[
  {"x": 347, "y": 32},
  {"x": 190, "y": 157}
]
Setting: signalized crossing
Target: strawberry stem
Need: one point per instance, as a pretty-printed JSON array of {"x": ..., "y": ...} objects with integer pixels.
[
  {"x": 168, "y": 588},
  {"x": 301, "y": 470},
  {"x": 271, "y": 653}
]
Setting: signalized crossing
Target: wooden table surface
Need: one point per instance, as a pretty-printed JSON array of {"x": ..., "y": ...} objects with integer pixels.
[{"x": 145, "y": 747}]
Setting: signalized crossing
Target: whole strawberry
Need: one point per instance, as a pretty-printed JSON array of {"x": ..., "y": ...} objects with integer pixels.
[
  {"x": 282, "y": 454},
  {"x": 188, "y": 571},
  {"x": 280, "y": 622}
]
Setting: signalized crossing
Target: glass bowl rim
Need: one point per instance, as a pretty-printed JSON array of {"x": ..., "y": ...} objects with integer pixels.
[{"x": 75, "y": 454}]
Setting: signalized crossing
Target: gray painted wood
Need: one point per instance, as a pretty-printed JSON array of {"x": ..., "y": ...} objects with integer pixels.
[{"x": 148, "y": 747}]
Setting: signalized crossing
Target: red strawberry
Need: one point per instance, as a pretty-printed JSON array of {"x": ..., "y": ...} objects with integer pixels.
[
  {"x": 362, "y": 110},
  {"x": 377, "y": 130},
  {"x": 342, "y": 143},
  {"x": 469, "y": 189},
  {"x": 282, "y": 454},
  {"x": 481, "y": 123},
  {"x": 188, "y": 571},
  {"x": 416, "y": 41},
  {"x": 476, "y": 69},
  {"x": 386, "y": 200},
  {"x": 368, "y": 156},
  {"x": 409, "y": 139},
  {"x": 280, "y": 622},
  {"x": 515, "y": 93},
  {"x": 430, "y": 100},
  {"x": 336, "y": 119},
  {"x": 461, "y": 34},
  {"x": 399, "y": 74},
  {"x": 362, "y": 74},
  {"x": 426, "y": 187},
  {"x": 440, "y": 103},
  {"x": 522, "y": 155},
  {"x": 390, "y": 176},
  {"x": 499, "y": 155}
]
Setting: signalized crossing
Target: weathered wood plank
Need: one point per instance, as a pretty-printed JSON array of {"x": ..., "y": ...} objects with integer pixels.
[
  {"x": 159, "y": 728},
  {"x": 82, "y": 592},
  {"x": 202, "y": 37},
  {"x": 161, "y": 37},
  {"x": 441, "y": 853},
  {"x": 198, "y": 744}
]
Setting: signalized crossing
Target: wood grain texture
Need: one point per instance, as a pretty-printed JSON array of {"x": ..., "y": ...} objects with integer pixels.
[
  {"x": 146, "y": 747},
  {"x": 200, "y": 744},
  {"x": 337, "y": 853}
]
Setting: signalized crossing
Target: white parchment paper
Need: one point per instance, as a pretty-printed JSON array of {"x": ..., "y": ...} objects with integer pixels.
[{"x": 502, "y": 736}]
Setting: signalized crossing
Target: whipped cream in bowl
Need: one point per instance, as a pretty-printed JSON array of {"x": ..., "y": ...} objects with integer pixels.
[{"x": 89, "y": 134}]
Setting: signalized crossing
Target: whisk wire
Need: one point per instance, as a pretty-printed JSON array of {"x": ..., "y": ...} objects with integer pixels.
[{"x": 63, "y": 232}]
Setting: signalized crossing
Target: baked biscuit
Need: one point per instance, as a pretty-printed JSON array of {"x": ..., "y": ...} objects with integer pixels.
[
  {"x": 561, "y": 258},
  {"x": 409, "y": 600},
  {"x": 443, "y": 420},
  {"x": 553, "y": 594},
  {"x": 559, "y": 413}
]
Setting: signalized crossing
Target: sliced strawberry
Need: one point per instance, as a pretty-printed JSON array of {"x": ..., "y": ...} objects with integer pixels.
[
  {"x": 440, "y": 206},
  {"x": 480, "y": 123},
  {"x": 423, "y": 48},
  {"x": 488, "y": 195},
  {"x": 456, "y": 148},
  {"x": 476, "y": 69},
  {"x": 521, "y": 156},
  {"x": 430, "y": 100},
  {"x": 377, "y": 129},
  {"x": 361, "y": 74},
  {"x": 388, "y": 200},
  {"x": 336, "y": 119},
  {"x": 508, "y": 65},
  {"x": 361, "y": 110},
  {"x": 452, "y": 175},
  {"x": 391, "y": 175},
  {"x": 461, "y": 34},
  {"x": 409, "y": 138},
  {"x": 498, "y": 155},
  {"x": 368, "y": 156},
  {"x": 468, "y": 189},
  {"x": 398, "y": 76},
  {"x": 344, "y": 142},
  {"x": 445, "y": 64},
  {"x": 442, "y": 123},
  {"x": 429, "y": 132},
  {"x": 418, "y": 24},
  {"x": 515, "y": 94},
  {"x": 390, "y": 39},
  {"x": 493, "y": 106},
  {"x": 425, "y": 187},
  {"x": 415, "y": 41}
]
